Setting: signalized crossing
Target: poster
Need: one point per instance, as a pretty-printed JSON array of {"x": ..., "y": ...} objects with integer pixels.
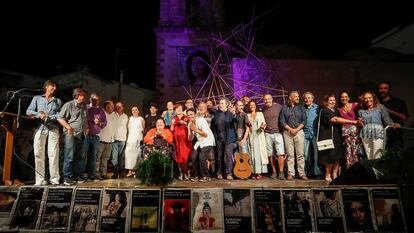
[
  {"x": 328, "y": 210},
  {"x": 207, "y": 210},
  {"x": 357, "y": 210},
  {"x": 114, "y": 209},
  {"x": 297, "y": 210},
  {"x": 85, "y": 210},
  {"x": 176, "y": 210},
  {"x": 145, "y": 210},
  {"x": 57, "y": 210},
  {"x": 27, "y": 208},
  {"x": 388, "y": 210},
  {"x": 237, "y": 210},
  {"x": 267, "y": 211},
  {"x": 8, "y": 197}
]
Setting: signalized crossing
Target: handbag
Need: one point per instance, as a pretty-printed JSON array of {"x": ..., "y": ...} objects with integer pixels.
[{"x": 326, "y": 144}]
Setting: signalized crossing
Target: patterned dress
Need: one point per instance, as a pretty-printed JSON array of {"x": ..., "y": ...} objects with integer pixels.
[{"x": 350, "y": 134}]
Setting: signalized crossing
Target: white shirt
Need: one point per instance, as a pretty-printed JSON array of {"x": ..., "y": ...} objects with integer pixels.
[
  {"x": 121, "y": 127},
  {"x": 108, "y": 133},
  {"x": 202, "y": 125}
]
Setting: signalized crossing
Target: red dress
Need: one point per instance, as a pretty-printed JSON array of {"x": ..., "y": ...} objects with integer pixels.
[{"x": 182, "y": 144}]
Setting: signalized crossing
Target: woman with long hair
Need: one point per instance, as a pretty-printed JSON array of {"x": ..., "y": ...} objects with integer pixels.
[
  {"x": 374, "y": 116},
  {"x": 350, "y": 132}
]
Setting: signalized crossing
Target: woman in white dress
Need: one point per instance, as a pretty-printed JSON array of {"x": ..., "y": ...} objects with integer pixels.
[{"x": 136, "y": 126}]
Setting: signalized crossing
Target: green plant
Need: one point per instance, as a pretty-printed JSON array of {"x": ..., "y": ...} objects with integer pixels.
[
  {"x": 157, "y": 169},
  {"x": 398, "y": 165}
]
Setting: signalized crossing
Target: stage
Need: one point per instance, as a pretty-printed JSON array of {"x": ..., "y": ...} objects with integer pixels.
[{"x": 266, "y": 182}]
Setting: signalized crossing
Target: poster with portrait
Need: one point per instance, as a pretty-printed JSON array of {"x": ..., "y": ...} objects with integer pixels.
[
  {"x": 237, "y": 210},
  {"x": 28, "y": 207},
  {"x": 85, "y": 210},
  {"x": 267, "y": 210},
  {"x": 388, "y": 210},
  {"x": 357, "y": 210},
  {"x": 57, "y": 210},
  {"x": 207, "y": 210},
  {"x": 328, "y": 210},
  {"x": 176, "y": 210},
  {"x": 194, "y": 66},
  {"x": 145, "y": 210},
  {"x": 8, "y": 196},
  {"x": 114, "y": 210},
  {"x": 298, "y": 210}
]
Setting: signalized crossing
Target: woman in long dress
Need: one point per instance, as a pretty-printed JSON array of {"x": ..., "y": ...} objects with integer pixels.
[
  {"x": 182, "y": 144},
  {"x": 350, "y": 132},
  {"x": 330, "y": 127},
  {"x": 136, "y": 126},
  {"x": 255, "y": 125}
]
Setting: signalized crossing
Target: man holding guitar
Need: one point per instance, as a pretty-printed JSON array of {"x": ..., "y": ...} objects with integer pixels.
[{"x": 199, "y": 128}]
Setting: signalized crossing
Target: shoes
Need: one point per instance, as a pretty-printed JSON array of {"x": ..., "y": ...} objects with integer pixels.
[
  {"x": 41, "y": 183},
  {"x": 104, "y": 177},
  {"x": 273, "y": 176},
  {"x": 229, "y": 177},
  {"x": 93, "y": 178},
  {"x": 304, "y": 177},
  {"x": 180, "y": 177},
  {"x": 205, "y": 179},
  {"x": 68, "y": 181},
  {"x": 289, "y": 177},
  {"x": 195, "y": 179},
  {"x": 259, "y": 177},
  {"x": 281, "y": 176},
  {"x": 80, "y": 180},
  {"x": 329, "y": 179},
  {"x": 219, "y": 176},
  {"x": 186, "y": 177},
  {"x": 129, "y": 175}
]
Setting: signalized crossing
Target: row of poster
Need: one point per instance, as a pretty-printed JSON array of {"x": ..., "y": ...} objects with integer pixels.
[{"x": 203, "y": 210}]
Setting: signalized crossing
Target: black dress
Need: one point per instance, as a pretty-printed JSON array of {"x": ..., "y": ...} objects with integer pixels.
[{"x": 325, "y": 132}]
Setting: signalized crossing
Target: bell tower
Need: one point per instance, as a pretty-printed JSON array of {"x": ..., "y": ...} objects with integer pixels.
[{"x": 185, "y": 28}]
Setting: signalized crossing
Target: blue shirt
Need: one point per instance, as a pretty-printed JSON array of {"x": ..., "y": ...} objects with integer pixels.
[
  {"x": 51, "y": 108},
  {"x": 293, "y": 116},
  {"x": 311, "y": 120}
]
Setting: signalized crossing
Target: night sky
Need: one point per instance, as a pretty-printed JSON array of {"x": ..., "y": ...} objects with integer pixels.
[{"x": 46, "y": 40}]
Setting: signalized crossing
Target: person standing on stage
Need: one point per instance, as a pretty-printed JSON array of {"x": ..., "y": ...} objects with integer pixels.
[
  {"x": 293, "y": 119},
  {"x": 73, "y": 118},
  {"x": 151, "y": 118},
  {"x": 311, "y": 149},
  {"x": 118, "y": 146},
  {"x": 96, "y": 122},
  {"x": 274, "y": 139},
  {"x": 223, "y": 126},
  {"x": 199, "y": 128},
  {"x": 106, "y": 138},
  {"x": 45, "y": 108}
]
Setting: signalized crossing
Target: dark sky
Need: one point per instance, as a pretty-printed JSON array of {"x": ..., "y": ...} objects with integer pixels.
[{"x": 45, "y": 39}]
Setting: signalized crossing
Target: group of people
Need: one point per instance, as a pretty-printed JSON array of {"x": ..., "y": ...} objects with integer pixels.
[{"x": 205, "y": 139}]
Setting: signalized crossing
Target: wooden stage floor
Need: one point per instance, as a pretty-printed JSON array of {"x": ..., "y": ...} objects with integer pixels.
[{"x": 266, "y": 182}]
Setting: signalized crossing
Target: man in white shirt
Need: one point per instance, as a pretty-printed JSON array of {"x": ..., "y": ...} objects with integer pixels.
[
  {"x": 118, "y": 146},
  {"x": 199, "y": 128}
]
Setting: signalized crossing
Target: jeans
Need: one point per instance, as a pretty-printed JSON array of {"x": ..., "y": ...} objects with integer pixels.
[
  {"x": 73, "y": 163},
  {"x": 311, "y": 157},
  {"x": 90, "y": 150},
  {"x": 118, "y": 155}
]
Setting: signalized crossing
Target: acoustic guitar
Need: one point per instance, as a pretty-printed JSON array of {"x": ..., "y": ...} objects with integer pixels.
[{"x": 242, "y": 168}]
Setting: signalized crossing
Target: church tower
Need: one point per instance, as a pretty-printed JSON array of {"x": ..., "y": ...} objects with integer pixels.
[{"x": 184, "y": 32}]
